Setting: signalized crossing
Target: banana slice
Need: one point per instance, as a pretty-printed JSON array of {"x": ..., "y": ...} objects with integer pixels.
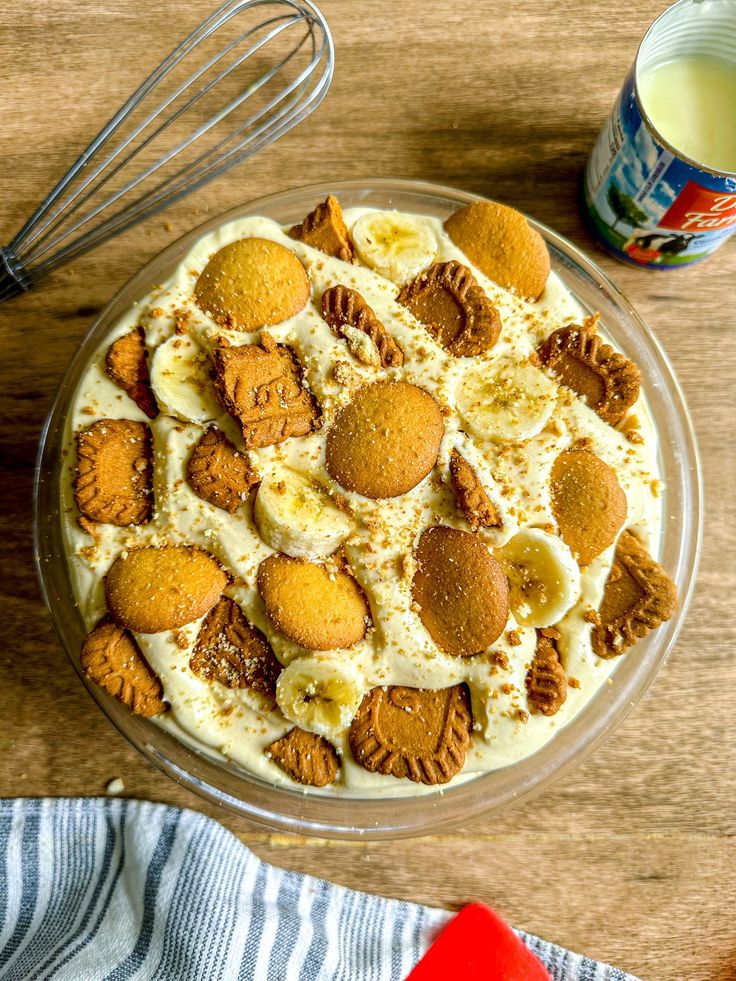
[
  {"x": 296, "y": 516},
  {"x": 396, "y": 246},
  {"x": 319, "y": 695},
  {"x": 544, "y": 578},
  {"x": 510, "y": 400},
  {"x": 180, "y": 376}
]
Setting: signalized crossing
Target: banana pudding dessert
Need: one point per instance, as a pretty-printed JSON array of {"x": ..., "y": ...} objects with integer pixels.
[{"x": 367, "y": 504}]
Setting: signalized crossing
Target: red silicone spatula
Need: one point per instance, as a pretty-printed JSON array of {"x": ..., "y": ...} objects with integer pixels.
[{"x": 478, "y": 946}]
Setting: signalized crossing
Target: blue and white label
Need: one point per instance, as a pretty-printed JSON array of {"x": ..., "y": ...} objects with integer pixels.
[{"x": 647, "y": 205}]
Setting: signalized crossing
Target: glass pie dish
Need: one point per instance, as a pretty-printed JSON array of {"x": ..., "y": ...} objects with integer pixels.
[{"x": 348, "y": 815}]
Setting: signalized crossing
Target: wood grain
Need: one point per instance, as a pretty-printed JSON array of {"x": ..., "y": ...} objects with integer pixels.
[{"x": 632, "y": 857}]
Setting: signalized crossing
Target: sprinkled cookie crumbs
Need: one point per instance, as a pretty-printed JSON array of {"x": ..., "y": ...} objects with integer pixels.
[{"x": 181, "y": 639}]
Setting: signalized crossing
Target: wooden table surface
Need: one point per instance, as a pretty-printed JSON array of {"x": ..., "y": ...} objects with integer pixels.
[{"x": 631, "y": 858}]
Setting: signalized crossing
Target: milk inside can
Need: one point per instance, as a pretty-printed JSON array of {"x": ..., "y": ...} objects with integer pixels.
[{"x": 660, "y": 185}]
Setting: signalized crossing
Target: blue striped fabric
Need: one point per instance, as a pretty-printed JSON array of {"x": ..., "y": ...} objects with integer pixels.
[{"x": 110, "y": 890}]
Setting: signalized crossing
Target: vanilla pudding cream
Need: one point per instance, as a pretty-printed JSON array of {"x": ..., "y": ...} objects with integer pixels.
[{"x": 238, "y": 725}]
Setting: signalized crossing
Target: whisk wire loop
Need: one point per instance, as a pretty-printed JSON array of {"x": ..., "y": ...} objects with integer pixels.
[
  {"x": 187, "y": 180},
  {"x": 93, "y": 201},
  {"x": 68, "y": 206}
]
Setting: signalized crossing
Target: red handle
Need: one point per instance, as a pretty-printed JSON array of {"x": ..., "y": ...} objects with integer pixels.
[{"x": 477, "y": 945}]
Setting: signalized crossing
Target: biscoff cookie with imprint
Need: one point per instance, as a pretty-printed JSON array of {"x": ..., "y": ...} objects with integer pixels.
[
  {"x": 455, "y": 310},
  {"x": 112, "y": 659},
  {"x": 114, "y": 479},
  {"x": 218, "y": 473},
  {"x": 546, "y": 682},
  {"x": 607, "y": 380},
  {"x": 232, "y": 651},
  {"x": 349, "y": 315},
  {"x": 639, "y": 596},
  {"x": 470, "y": 495},
  {"x": 262, "y": 387},
  {"x": 413, "y": 733},
  {"x": 126, "y": 362},
  {"x": 306, "y": 757},
  {"x": 325, "y": 229}
]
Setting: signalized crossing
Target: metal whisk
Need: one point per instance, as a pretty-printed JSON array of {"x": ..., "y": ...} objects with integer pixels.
[{"x": 246, "y": 75}]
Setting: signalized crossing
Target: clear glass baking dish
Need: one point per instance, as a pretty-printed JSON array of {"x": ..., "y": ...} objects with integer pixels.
[{"x": 350, "y": 817}]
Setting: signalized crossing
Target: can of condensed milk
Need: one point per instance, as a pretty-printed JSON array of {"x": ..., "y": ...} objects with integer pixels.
[{"x": 660, "y": 185}]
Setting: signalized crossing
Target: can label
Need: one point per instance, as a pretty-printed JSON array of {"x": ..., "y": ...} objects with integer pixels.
[{"x": 647, "y": 205}]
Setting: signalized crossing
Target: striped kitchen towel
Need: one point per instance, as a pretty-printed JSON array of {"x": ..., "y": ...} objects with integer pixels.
[{"x": 94, "y": 889}]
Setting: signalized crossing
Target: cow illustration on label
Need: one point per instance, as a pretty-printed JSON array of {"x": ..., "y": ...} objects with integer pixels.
[{"x": 650, "y": 247}]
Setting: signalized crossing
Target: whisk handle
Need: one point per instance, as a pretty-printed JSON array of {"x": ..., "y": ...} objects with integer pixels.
[{"x": 12, "y": 279}]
